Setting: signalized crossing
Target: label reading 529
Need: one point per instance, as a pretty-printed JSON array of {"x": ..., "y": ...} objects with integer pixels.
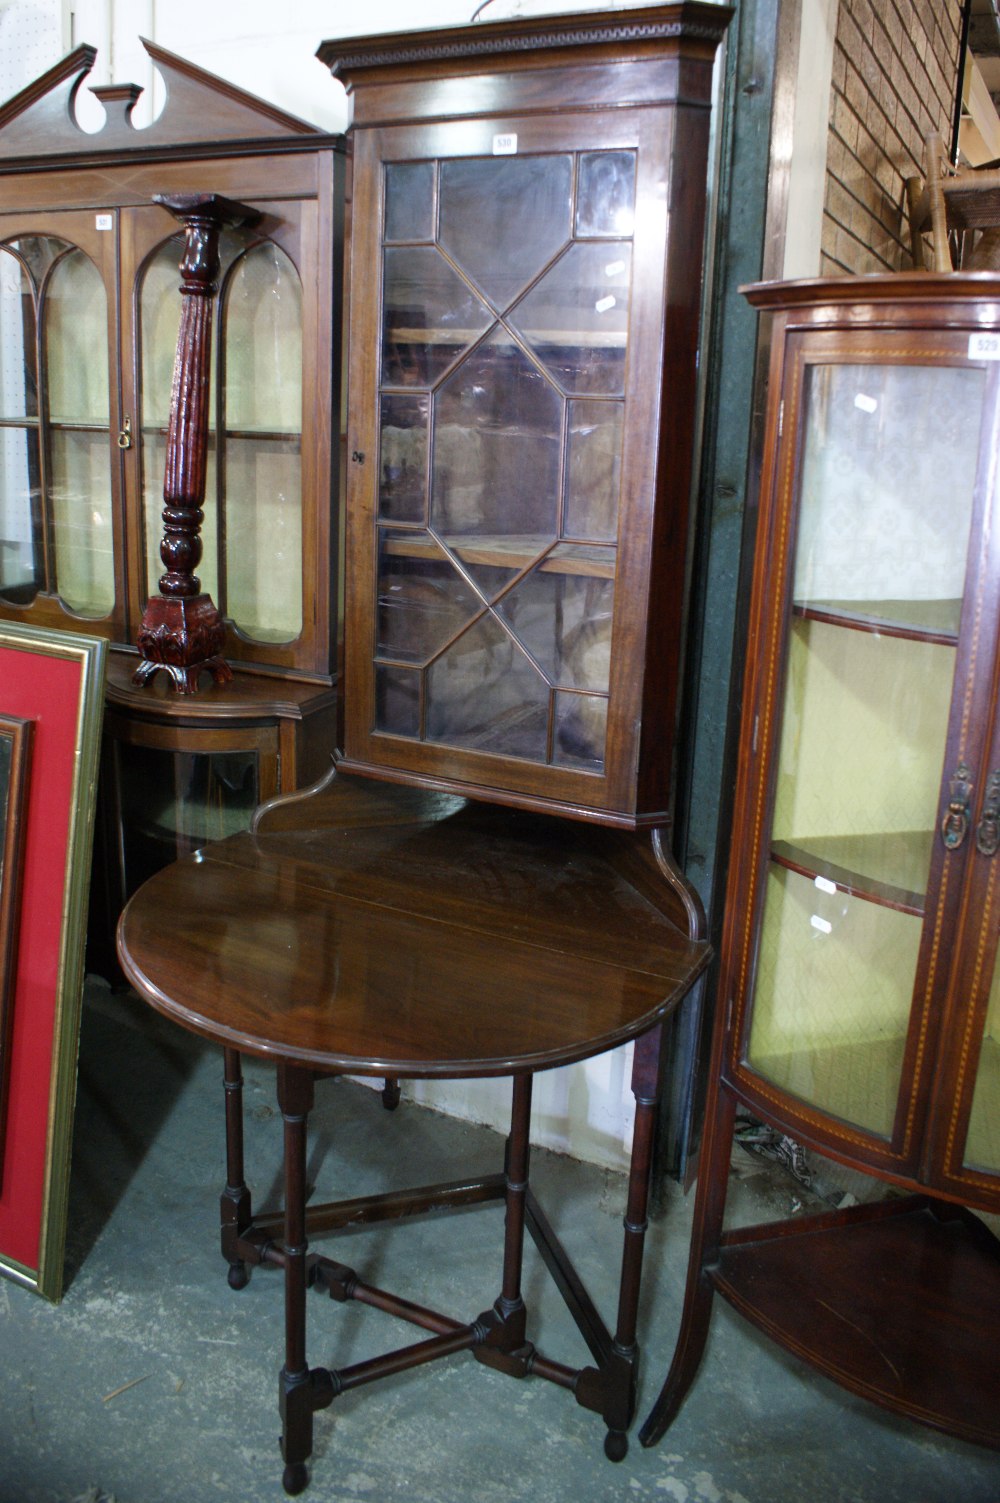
[{"x": 984, "y": 346}]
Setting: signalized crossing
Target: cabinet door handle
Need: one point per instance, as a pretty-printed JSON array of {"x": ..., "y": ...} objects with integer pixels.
[
  {"x": 955, "y": 824},
  {"x": 125, "y": 435},
  {"x": 988, "y": 828}
]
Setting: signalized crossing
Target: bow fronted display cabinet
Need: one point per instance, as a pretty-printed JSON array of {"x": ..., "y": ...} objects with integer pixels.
[
  {"x": 89, "y": 316},
  {"x": 859, "y": 1002}
]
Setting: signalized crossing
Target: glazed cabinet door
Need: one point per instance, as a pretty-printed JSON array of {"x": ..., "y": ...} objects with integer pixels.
[
  {"x": 867, "y": 708},
  {"x": 963, "y": 1156},
  {"x": 61, "y": 527},
  {"x": 268, "y": 438},
  {"x": 507, "y": 332}
]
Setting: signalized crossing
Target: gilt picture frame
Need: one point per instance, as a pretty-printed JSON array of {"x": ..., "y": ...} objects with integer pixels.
[
  {"x": 54, "y": 682},
  {"x": 15, "y": 752}
]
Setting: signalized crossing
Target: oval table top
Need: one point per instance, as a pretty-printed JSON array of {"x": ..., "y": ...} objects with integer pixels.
[{"x": 372, "y": 929}]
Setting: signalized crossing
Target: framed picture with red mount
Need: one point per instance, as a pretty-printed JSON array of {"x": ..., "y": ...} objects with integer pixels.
[{"x": 51, "y": 701}]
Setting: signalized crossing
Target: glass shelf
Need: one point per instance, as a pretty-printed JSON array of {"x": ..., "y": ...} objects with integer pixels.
[{"x": 890, "y": 869}]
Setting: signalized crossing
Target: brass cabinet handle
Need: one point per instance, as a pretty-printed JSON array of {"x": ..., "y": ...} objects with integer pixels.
[
  {"x": 125, "y": 435},
  {"x": 955, "y": 824},
  {"x": 988, "y": 828}
]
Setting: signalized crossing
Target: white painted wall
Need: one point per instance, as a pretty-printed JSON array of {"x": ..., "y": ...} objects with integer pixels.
[
  {"x": 585, "y": 1110},
  {"x": 811, "y": 131}
]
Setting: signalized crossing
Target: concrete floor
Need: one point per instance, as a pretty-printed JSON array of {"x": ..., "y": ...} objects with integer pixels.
[{"x": 153, "y": 1382}]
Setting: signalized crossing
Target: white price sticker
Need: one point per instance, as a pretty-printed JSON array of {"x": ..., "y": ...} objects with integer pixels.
[
  {"x": 505, "y": 146},
  {"x": 866, "y": 404},
  {"x": 984, "y": 346},
  {"x": 104, "y": 222}
]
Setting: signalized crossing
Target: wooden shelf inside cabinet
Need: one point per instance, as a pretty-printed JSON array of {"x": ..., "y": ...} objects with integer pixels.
[
  {"x": 889, "y": 869},
  {"x": 589, "y": 560},
  {"x": 919, "y": 620},
  {"x": 889, "y": 1300}
]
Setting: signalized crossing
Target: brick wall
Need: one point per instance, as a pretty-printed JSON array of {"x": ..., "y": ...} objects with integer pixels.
[{"x": 895, "y": 72}]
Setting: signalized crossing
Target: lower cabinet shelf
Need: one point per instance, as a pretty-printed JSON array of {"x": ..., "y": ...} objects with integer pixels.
[{"x": 890, "y": 1300}]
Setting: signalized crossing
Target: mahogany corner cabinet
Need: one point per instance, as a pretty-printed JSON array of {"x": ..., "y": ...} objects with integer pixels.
[
  {"x": 526, "y": 250},
  {"x": 859, "y": 991},
  {"x": 526, "y": 219}
]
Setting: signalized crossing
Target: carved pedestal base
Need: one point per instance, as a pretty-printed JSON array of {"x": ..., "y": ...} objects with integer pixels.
[{"x": 184, "y": 636}]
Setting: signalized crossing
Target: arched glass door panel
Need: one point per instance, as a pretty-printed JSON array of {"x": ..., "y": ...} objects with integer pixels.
[
  {"x": 55, "y": 466},
  {"x": 261, "y": 498},
  {"x": 252, "y": 532},
  {"x": 75, "y": 322},
  {"x": 22, "y": 562}
]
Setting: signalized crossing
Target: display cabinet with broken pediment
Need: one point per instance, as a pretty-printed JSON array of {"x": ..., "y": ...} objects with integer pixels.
[
  {"x": 859, "y": 1000},
  {"x": 89, "y": 315},
  {"x": 521, "y": 398}
]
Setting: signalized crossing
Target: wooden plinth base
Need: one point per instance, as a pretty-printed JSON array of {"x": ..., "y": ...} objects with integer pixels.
[
  {"x": 183, "y": 637},
  {"x": 894, "y": 1302}
]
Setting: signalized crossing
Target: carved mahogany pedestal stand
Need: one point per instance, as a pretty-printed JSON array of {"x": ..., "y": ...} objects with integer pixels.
[{"x": 182, "y": 632}]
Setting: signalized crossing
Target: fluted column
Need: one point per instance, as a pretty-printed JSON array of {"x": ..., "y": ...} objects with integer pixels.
[{"x": 182, "y": 631}]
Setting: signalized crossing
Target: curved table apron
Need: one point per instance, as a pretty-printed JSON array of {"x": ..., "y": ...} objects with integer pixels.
[{"x": 415, "y": 936}]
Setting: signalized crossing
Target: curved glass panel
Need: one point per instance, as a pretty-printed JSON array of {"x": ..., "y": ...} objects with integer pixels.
[
  {"x": 263, "y": 538},
  {"x": 18, "y": 366},
  {"x": 154, "y": 463},
  {"x": 159, "y": 321},
  {"x": 76, "y": 343},
  {"x": 75, "y": 330},
  {"x": 982, "y": 1144},
  {"x": 263, "y": 343},
  {"x": 878, "y": 575},
  {"x": 21, "y": 550},
  {"x": 21, "y": 554},
  {"x": 261, "y": 473}
]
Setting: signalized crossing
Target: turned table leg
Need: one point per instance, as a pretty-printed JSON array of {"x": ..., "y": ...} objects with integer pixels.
[
  {"x": 295, "y": 1098},
  {"x": 235, "y": 1209},
  {"x": 510, "y": 1305},
  {"x": 624, "y": 1362}
]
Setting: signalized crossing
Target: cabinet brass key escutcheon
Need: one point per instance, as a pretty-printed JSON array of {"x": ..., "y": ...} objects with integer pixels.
[
  {"x": 955, "y": 824},
  {"x": 988, "y": 828}
]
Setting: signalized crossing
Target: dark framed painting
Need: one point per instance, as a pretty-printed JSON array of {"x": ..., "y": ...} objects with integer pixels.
[
  {"x": 52, "y": 681},
  {"x": 15, "y": 751}
]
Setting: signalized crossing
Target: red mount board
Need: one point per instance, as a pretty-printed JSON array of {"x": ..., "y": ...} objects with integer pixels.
[{"x": 55, "y": 681}]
